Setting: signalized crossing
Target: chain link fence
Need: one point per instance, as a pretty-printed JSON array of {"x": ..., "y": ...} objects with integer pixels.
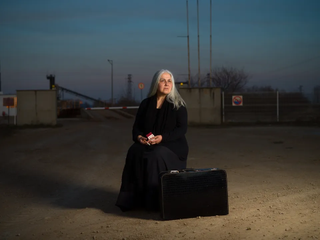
[{"x": 255, "y": 107}]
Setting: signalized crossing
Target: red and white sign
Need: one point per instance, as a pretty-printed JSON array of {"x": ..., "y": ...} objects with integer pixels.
[
  {"x": 237, "y": 100},
  {"x": 141, "y": 85},
  {"x": 8, "y": 102}
]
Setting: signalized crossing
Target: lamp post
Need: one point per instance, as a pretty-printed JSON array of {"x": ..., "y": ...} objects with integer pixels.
[{"x": 111, "y": 62}]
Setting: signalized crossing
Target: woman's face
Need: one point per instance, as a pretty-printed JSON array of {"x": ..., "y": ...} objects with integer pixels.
[{"x": 165, "y": 84}]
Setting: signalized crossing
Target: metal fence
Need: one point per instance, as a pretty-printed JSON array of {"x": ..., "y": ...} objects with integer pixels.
[{"x": 270, "y": 107}]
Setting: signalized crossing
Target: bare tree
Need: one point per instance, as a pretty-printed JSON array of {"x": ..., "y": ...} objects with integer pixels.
[
  {"x": 204, "y": 82},
  {"x": 255, "y": 88},
  {"x": 230, "y": 79},
  {"x": 193, "y": 81}
]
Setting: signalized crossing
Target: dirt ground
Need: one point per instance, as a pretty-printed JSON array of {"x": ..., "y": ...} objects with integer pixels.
[{"x": 62, "y": 183}]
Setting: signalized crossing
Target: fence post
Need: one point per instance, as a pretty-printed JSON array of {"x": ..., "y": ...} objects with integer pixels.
[
  {"x": 223, "y": 106},
  {"x": 277, "y": 106}
]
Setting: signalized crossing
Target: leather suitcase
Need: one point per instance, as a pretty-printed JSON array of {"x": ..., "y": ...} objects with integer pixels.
[{"x": 193, "y": 192}]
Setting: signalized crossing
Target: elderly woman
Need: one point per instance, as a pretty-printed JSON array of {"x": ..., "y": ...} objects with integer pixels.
[{"x": 164, "y": 115}]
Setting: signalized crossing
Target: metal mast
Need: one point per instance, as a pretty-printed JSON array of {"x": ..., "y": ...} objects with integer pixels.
[
  {"x": 129, "y": 89},
  {"x": 210, "y": 77},
  {"x": 189, "y": 77},
  {"x": 111, "y": 63},
  {"x": 0, "y": 76},
  {"x": 199, "y": 84}
]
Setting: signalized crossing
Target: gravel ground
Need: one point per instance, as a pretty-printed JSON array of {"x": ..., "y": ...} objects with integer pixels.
[{"x": 62, "y": 183}]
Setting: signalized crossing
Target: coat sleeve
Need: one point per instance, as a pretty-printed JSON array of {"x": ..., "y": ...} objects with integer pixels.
[
  {"x": 139, "y": 121},
  {"x": 181, "y": 126}
]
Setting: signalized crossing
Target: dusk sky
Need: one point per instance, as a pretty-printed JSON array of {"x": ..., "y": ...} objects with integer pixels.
[{"x": 277, "y": 42}]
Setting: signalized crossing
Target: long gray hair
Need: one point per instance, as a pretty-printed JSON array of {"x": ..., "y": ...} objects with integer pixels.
[{"x": 174, "y": 96}]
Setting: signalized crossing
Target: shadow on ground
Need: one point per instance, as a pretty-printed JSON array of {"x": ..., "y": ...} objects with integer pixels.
[{"x": 63, "y": 193}]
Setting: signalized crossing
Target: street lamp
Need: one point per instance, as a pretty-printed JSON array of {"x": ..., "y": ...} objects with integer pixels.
[{"x": 111, "y": 62}]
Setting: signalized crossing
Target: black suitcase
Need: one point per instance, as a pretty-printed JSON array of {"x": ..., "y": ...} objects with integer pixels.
[{"x": 193, "y": 192}]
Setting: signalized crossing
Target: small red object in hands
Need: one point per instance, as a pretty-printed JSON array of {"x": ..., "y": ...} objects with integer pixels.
[{"x": 150, "y": 135}]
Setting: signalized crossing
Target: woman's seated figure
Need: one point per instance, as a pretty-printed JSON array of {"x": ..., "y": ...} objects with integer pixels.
[{"x": 163, "y": 113}]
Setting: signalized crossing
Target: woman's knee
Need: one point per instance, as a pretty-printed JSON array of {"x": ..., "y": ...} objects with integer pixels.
[
  {"x": 160, "y": 150},
  {"x": 158, "y": 154},
  {"x": 135, "y": 148}
]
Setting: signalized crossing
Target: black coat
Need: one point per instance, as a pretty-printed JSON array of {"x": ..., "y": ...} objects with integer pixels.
[
  {"x": 140, "y": 177},
  {"x": 168, "y": 121}
]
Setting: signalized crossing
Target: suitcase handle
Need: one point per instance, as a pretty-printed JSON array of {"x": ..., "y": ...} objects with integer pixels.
[
  {"x": 188, "y": 170},
  {"x": 192, "y": 170},
  {"x": 183, "y": 170},
  {"x": 198, "y": 170}
]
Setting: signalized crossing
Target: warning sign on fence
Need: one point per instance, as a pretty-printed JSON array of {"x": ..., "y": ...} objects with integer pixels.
[{"x": 237, "y": 100}]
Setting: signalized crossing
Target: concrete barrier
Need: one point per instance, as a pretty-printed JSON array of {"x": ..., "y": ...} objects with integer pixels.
[
  {"x": 204, "y": 105},
  {"x": 37, "y": 107}
]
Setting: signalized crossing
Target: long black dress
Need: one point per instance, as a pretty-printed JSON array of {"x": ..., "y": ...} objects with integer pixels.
[{"x": 140, "y": 177}]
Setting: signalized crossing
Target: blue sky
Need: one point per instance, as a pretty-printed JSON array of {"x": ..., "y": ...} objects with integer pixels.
[{"x": 276, "y": 41}]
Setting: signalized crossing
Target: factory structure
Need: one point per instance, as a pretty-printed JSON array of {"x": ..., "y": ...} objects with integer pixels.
[{"x": 45, "y": 106}]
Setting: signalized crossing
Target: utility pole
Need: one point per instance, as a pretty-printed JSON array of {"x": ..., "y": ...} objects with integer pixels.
[
  {"x": 189, "y": 77},
  {"x": 111, "y": 63},
  {"x": 0, "y": 77},
  {"x": 129, "y": 89},
  {"x": 188, "y": 43},
  {"x": 199, "y": 83},
  {"x": 210, "y": 43}
]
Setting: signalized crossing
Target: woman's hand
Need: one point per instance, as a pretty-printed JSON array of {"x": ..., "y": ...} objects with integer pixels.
[
  {"x": 155, "y": 140},
  {"x": 143, "y": 140}
]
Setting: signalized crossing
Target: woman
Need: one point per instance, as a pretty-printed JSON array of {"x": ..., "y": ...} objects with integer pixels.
[{"x": 164, "y": 115}]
